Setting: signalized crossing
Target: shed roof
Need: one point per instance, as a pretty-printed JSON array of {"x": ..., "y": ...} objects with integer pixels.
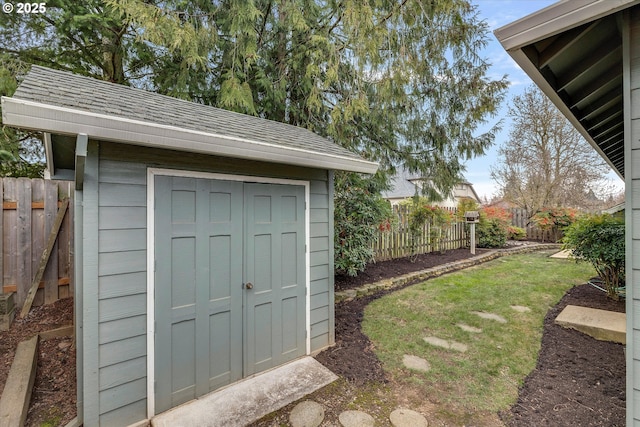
[
  {"x": 62, "y": 103},
  {"x": 573, "y": 51}
]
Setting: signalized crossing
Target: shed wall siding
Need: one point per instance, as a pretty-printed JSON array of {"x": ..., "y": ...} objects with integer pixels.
[
  {"x": 122, "y": 251},
  {"x": 632, "y": 167}
]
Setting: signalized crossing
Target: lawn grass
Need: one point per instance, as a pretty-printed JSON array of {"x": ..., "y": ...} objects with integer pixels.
[{"x": 485, "y": 379}]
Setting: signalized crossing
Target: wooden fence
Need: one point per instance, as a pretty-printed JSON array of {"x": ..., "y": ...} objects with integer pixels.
[
  {"x": 520, "y": 218},
  {"x": 29, "y": 209},
  {"x": 398, "y": 242}
]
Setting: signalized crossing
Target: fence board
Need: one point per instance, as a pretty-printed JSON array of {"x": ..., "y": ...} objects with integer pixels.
[
  {"x": 23, "y": 193},
  {"x": 397, "y": 242},
  {"x": 29, "y": 207}
]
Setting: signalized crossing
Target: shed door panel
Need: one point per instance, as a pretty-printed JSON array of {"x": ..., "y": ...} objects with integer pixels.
[
  {"x": 198, "y": 294},
  {"x": 211, "y": 236},
  {"x": 274, "y": 264}
]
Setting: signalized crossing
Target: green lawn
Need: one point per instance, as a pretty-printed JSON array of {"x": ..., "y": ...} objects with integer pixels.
[{"x": 484, "y": 379}]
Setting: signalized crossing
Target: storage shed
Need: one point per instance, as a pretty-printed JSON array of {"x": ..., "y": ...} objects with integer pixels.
[{"x": 204, "y": 240}]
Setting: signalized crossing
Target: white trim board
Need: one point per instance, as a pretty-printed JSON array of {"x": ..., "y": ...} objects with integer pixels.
[{"x": 151, "y": 173}]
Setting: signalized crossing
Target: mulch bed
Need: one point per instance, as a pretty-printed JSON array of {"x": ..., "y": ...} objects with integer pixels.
[
  {"x": 397, "y": 267},
  {"x": 54, "y": 392},
  {"x": 578, "y": 380}
]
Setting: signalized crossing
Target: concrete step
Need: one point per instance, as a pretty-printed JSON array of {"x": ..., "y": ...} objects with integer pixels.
[{"x": 600, "y": 324}]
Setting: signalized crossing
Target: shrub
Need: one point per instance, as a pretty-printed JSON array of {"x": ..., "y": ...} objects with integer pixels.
[
  {"x": 516, "y": 233},
  {"x": 359, "y": 213},
  {"x": 599, "y": 239},
  {"x": 554, "y": 221},
  {"x": 491, "y": 231}
]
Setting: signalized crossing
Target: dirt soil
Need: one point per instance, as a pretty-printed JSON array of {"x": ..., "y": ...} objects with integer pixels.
[
  {"x": 577, "y": 381},
  {"x": 53, "y": 401}
]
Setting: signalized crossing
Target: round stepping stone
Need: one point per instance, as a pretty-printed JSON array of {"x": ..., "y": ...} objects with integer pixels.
[
  {"x": 356, "y": 419},
  {"x": 468, "y": 328},
  {"x": 307, "y": 414},
  {"x": 415, "y": 362},
  {"x": 520, "y": 308},
  {"x": 407, "y": 418},
  {"x": 490, "y": 316}
]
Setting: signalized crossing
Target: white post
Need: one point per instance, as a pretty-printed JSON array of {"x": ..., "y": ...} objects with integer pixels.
[{"x": 473, "y": 238}]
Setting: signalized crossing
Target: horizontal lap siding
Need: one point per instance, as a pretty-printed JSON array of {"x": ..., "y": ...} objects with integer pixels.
[
  {"x": 321, "y": 266},
  {"x": 632, "y": 180},
  {"x": 122, "y": 286},
  {"x": 122, "y": 252}
]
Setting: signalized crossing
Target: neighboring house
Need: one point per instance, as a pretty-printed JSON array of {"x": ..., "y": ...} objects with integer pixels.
[
  {"x": 405, "y": 185},
  {"x": 585, "y": 56},
  {"x": 203, "y": 240}
]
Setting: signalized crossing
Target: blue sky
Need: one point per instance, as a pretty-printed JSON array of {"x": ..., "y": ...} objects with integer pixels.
[{"x": 498, "y": 13}]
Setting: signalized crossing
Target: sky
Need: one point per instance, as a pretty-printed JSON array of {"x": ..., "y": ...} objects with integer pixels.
[{"x": 498, "y": 13}]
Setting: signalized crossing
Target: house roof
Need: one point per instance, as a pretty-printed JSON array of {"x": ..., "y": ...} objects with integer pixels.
[
  {"x": 573, "y": 51},
  {"x": 62, "y": 104},
  {"x": 403, "y": 185}
]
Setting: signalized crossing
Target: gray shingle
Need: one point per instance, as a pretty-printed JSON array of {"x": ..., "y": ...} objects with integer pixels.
[{"x": 63, "y": 89}]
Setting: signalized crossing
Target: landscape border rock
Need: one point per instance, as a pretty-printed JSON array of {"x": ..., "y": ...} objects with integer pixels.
[{"x": 397, "y": 282}]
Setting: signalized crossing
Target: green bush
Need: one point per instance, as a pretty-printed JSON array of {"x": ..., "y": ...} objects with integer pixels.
[
  {"x": 599, "y": 239},
  {"x": 491, "y": 233},
  {"x": 359, "y": 212},
  {"x": 516, "y": 233}
]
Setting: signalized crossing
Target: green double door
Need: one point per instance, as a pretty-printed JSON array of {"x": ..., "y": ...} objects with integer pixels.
[{"x": 229, "y": 283}]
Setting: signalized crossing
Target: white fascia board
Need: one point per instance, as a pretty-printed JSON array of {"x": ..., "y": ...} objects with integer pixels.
[
  {"x": 533, "y": 72},
  {"x": 555, "y": 19},
  {"x": 54, "y": 119}
]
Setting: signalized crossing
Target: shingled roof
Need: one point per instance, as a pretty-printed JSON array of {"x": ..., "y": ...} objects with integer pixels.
[{"x": 67, "y": 104}]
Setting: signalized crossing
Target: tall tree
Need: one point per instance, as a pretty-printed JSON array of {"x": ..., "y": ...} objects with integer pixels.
[
  {"x": 546, "y": 162},
  {"x": 398, "y": 82}
]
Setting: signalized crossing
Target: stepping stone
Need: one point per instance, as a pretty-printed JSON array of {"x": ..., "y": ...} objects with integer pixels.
[
  {"x": 415, "y": 362},
  {"x": 356, "y": 419},
  {"x": 468, "y": 328},
  {"x": 407, "y": 418},
  {"x": 490, "y": 316},
  {"x": 521, "y": 309},
  {"x": 462, "y": 348},
  {"x": 449, "y": 345},
  {"x": 307, "y": 414},
  {"x": 438, "y": 342}
]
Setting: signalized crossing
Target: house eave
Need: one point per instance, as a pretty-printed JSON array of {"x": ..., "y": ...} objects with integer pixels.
[
  {"x": 555, "y": 19},
  {"x": 65, "y": 121}
]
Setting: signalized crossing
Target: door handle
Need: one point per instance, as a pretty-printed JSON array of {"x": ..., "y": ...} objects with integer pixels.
[{"x": 248, "y": 285}]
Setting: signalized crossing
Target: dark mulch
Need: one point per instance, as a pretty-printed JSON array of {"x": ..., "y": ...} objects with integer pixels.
[
  {"x": 53, "y": 400},
  {"x": 578, "y": 381},
  {"x": 397, "y": 267}
]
